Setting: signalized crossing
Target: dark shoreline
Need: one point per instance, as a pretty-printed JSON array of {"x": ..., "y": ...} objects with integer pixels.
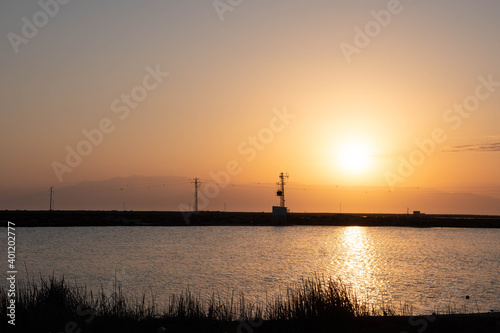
[{"x": 26, "y": 218}]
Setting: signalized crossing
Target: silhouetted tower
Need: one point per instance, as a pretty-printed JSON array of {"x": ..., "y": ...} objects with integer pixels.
[
  {"x": 51, "y": 204},
  {"x": 281, "y": 188},
  {"x": 197, "y": 184}
]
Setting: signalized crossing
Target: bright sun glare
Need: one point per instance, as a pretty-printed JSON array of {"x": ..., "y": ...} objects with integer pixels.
[{"x": 354, "y": 157}]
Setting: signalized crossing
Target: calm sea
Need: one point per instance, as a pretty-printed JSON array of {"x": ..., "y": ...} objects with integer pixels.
[{"x": 427, "y": 268}]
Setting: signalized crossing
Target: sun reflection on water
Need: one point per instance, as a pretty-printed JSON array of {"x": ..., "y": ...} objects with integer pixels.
[{"x": 355, "y": 262}]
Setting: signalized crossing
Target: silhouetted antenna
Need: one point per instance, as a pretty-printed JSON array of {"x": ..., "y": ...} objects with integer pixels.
[
  {"x": 281, "y": 188},
  {"x": 51, "y": 205},
  {"x": 197, "y": 184}
]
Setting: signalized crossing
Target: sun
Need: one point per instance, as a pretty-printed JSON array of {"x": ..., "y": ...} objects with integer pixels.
[{"x": 354, "y": 157}]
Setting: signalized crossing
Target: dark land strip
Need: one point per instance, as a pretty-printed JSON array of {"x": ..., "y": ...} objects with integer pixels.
[{"x": 26, "y": 218}]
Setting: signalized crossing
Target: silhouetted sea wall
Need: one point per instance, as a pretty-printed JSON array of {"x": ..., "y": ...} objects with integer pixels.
[{"x": 156, "y": 218}]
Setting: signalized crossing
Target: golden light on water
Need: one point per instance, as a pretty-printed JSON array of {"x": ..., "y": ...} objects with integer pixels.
[{"x": 357, "y": 256}]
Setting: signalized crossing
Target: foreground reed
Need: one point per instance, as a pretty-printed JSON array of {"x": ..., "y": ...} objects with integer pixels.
[
  {"x": 53, "y": 305},
  {"x": 53, "y": 301}
]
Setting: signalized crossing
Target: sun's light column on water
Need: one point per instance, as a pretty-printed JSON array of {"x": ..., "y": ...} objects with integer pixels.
[{"x": 357, "y": 262}]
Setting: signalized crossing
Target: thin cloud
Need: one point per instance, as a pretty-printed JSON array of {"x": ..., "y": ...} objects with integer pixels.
[{"x": 484, "y": 147}]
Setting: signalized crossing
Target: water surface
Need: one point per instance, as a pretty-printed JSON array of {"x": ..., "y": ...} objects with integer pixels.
[{"x": 429, "y": 268}]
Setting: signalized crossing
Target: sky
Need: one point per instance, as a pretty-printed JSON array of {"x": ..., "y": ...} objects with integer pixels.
[{"x": 393, "y": 95}]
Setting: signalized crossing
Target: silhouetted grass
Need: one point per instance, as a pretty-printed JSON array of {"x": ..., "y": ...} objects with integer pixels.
[
  {"x": 51, "y": 304},
  {"x": 316, "y": 298}
]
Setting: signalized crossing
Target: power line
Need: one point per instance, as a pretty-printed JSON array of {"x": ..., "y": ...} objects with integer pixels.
[{"x": 485, "y": 190}]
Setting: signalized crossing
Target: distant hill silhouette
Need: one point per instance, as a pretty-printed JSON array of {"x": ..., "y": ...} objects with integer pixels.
[{"x": 167, "y": 193}]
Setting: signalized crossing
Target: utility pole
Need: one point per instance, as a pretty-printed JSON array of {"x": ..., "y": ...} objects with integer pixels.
[
  {"x": 51, "y": 205},
  {"x": 197, "y": 184},
  {"x": 281, "y": 188}
]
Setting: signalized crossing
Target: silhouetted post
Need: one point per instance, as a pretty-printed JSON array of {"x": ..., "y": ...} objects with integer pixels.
[
  {"x": 197, "y": 184},
  {"x": 51, "y": 205}
]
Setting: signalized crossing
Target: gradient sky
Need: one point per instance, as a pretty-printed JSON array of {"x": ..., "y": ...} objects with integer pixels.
[{"x": 227, "y": 78}]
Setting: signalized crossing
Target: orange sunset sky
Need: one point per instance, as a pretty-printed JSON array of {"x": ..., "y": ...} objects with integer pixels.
[{"x": 382, "y": 95}]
